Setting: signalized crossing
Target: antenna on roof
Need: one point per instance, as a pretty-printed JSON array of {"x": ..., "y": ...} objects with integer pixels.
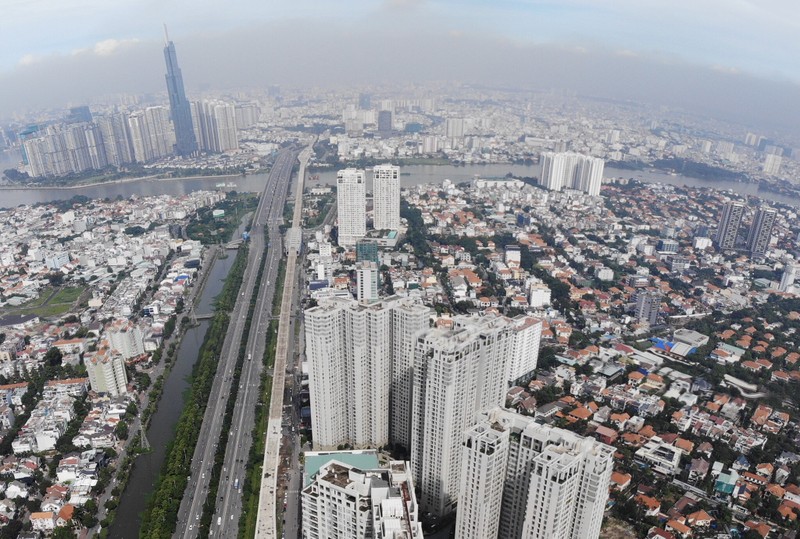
[{"x": 166, "y": 34}]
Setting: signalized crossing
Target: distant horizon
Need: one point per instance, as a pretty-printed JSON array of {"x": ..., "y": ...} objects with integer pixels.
[{"x": 724, "y": 60}]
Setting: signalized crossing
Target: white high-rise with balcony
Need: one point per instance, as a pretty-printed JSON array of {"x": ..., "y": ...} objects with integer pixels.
[
  {"x": 352, "y": 350},
  {"x": 555, "y": 482},
  {"x": 344, "y": 502},
  {"x": 351, "y": 206},
  {"x": 386, "y": 197},
  {"x": 483, "y": 471},
  {"x": 106, "y": 370},
  {"x": 572, "y": 171},
  {"x": 458, "y": 373}
]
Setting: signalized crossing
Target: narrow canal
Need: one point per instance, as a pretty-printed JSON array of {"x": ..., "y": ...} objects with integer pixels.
[{"x": 162, "y": 425}]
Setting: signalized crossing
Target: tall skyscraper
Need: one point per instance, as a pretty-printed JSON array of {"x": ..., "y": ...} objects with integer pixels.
[
  {"x": 180, "y": 112},
  {"x": 555, "y": 482},
  {"x": 344, "y": 502},
  {"x": 729, "y": 223},
  {"x": 352, "y": 350},
  {"x": 351, "y": 206},
  {"x": 386, "y": 197},
  {"x": 458, "y": 373},
  {"x": 572, "y": 171},
  {"x": 761, "y": 231}
]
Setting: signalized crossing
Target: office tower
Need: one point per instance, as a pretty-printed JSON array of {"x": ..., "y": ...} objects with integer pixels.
[
  {"x": 215, "y": 126},
  {"x": 458, "y": 372},
  {"x": 483, "y": 472},
  {"x": 181, "y": 114},
  {"x": 351, "y": 206},
  {"x": 454, "y": 127},
  {"x": 787, "y": 280},
  {"x": 386, "y": 197},
  {"x": 106, "y": 369},
  {"x": 274, "y": 91},
  {"x": 772, "y": 164},
  {"x": 367, "y": 282},
  {"x": 353, "y": 350},
  {"x": 364, "y": 101},
  {"x": 761, "y": 231},
  {"x": 554, "y": 482},
  {"x": 344, "y": 502},
  {"x": 367, "y": 251},
  {"x": 116, "y": 138},
  {"x": 648, "y": 304},
  {"x": 78, "y": 115},
  {"x": 729, "y": 223},
  {"x": 385, "y": 122},
  {"x": 572, "y": 171},
  {"x": 523, "y": 360}
]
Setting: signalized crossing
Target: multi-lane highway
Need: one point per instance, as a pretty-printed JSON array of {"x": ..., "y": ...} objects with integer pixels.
[
  {"x": 268, "y": 216},
  {"x": 267, "y": 524}
]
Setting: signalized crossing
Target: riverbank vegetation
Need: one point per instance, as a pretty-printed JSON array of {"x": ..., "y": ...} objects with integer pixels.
[
  {"x": 210, "y": 230},
  {"x": 161, "y": 513}
]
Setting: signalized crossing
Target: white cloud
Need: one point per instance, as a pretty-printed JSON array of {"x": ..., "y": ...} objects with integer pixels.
[{"x": 109, "y": 46}]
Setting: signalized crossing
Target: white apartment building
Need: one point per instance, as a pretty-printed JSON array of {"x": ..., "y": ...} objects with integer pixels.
[
  {"x": 523, "y": 360},
  {"x": 107, "y": 374},
  {"x": 367, "y": 282},
  {"x": 352, "y": 349},
  {"x": 351, "y": 206},
  {"x": 572, "y": 171},
  {"x": 343, "y": 502},
  {"x": 483, "y": 472},
  {"x": 555, "y": 482},
  {"x": 126, "y": 338},
  {"x": 458, "y": 373},
  {"x": 386, "y": 197}
]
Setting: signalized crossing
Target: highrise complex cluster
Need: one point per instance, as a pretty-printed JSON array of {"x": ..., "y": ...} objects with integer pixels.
[
  {"x": 85, "y": 142},
  {"x": 521, "y": 479},
  {"x": 572, "y": 171},
  {"x": 351, "y": 200},
  {"x": 381, "y": 376},
  {"x": 758, "y": 236}
]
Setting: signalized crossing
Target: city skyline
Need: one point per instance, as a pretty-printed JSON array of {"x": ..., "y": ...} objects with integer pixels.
[{"x": 574, "y": 61}]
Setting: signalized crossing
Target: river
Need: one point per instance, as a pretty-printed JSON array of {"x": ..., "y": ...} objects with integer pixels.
[
  {"x": 412, "y": 175},
  {"x": 162, "y": 425},
  {"x": 419, "y": 174}
]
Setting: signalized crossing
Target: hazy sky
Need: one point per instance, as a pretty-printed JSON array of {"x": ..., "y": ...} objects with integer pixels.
[{"x": 61, "y": 51}]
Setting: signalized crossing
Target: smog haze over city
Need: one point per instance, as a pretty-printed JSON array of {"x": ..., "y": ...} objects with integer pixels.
[{"x": 730, "y": 59}]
